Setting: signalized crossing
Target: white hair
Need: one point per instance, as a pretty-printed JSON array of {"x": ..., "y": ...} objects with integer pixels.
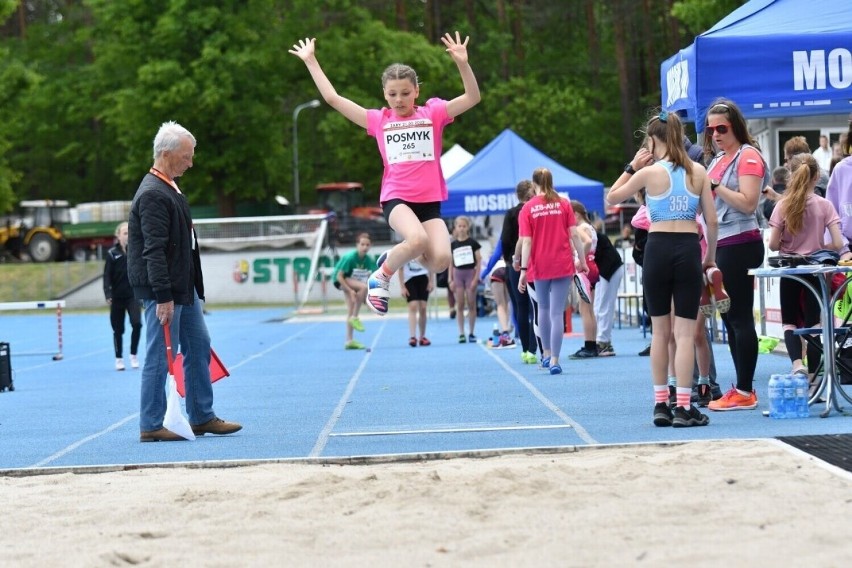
[{"x": 169, "y": 137}]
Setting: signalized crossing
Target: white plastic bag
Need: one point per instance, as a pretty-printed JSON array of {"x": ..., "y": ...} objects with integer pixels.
[{"x": 174, "y": 419}]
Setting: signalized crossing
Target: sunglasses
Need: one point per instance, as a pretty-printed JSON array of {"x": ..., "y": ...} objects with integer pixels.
[{"x": 721, "y": 129}]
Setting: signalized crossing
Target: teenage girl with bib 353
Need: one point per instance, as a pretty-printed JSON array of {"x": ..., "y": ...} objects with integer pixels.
[
  {"x": 409, "y": 139},
  {"x": 676, "y": 189}
]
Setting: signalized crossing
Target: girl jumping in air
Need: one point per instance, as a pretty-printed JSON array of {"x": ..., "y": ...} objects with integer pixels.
[{"x": 409, "y": 137}]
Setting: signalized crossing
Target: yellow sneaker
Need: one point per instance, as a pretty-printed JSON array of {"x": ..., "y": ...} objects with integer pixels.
[
  {"x": 734, "y": 400},
  {"x": 356, "y": 324},
  {"x": 353, "y": 345}
]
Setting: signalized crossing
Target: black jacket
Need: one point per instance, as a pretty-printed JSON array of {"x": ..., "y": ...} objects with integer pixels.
[
  {"x": 116, "y": 284},
  {"x": 606, "y": 257},
  {"x": 163, "y": 263}
]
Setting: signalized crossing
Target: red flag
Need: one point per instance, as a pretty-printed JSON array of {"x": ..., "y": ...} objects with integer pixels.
[{"x": 217, "y": 371}]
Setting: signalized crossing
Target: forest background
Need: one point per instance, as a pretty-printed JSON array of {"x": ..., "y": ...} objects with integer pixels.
[{"x": 85, "y": 84}]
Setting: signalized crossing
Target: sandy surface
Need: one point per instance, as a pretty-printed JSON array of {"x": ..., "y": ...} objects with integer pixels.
[{"x": 727, "y": 503}]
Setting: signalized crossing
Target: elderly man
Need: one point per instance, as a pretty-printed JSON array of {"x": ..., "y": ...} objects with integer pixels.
[{"x": 164, "y": 268}]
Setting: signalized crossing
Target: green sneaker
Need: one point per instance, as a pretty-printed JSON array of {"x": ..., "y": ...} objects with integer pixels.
[
  {"x": 529, "y": 358},
  {"x": 356, "y": 324},
  {"x": 353, "y": 345}
]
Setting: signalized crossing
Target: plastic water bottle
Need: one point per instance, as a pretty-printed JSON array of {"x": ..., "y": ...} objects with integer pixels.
[
  {"x": 802, "y": 409},
  {"x": 789, "y": 397},
  {"x": 776, "y": 396},
  {"x": 495, "y": 336}
]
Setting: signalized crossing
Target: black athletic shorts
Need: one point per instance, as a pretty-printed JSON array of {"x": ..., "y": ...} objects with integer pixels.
[
  {"x": 423, "y": 211},
  {"x": 418, "y": 288}
]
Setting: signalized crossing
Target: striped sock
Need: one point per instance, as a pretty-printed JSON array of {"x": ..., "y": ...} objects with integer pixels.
[
  {"x": 661, "y": 393},
  {"x": 683, "y": 394}
]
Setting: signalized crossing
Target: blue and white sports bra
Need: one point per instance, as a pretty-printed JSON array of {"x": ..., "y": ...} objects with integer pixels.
[{"x": 675, "y": 204}]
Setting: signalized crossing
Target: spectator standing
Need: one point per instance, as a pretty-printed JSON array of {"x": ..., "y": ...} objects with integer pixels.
[
  {"x": 416, "y": 283},
  {"x": 839, "y": 193},
  {"x": 611, "y": 269},
  {"x": 164, "y": 268},
  {"x": 545, "y": 259},
  {"x": 586, "y": 282},
  {"x": 521, "y": 306},
  {"x": 823, "y": 154},
  {"x": 798, "y": 226},
  {"x": 738, "y": 173},
  {"x": 464, "y": 276},
  {"x": 676, "y": 189},
  {"x": 119, "y": 296}
]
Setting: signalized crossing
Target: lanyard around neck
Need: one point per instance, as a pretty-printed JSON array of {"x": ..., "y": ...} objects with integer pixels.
[{"x": 163, "y": 177}]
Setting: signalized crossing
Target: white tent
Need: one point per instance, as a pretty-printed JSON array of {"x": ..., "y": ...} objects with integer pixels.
[{"x": 454, "y": 159}]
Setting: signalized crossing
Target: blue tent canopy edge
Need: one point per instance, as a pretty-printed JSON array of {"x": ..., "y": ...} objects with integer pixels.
[
  {"x": 774, "y": 58},
  {"x": 486, "y": 184}
]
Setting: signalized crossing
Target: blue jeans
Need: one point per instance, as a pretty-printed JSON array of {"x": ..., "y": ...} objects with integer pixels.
[{"x": 189, "y": 330}]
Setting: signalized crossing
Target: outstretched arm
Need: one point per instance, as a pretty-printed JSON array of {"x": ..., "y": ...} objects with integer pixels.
[
  {"x": 458, "y": 51},
  {"x": 305, "y": 51}
]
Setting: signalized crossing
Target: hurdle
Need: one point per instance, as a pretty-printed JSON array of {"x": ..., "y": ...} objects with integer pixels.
[{"x": 40, "y": 305}]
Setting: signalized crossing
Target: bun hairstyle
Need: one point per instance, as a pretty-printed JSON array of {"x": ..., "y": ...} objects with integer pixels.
[{"x": 805, "y": 173}]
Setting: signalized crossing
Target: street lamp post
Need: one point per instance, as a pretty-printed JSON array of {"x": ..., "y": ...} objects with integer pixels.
[{"x": 310, "y": 104}]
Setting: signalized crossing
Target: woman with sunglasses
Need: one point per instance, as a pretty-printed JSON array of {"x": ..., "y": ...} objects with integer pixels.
[
  {"x": 737, "y": 174},
  {"x": 676, "y": 190}
]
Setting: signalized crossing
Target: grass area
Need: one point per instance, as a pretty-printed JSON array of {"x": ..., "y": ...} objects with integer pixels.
[{"x": 27, "y": 281}]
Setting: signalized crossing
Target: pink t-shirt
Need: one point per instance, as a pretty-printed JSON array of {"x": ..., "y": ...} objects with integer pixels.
[
  {"x": 549, "y": 225},
  {"x": 411, "y": 152},
  {"x": 819, "y": 215}
]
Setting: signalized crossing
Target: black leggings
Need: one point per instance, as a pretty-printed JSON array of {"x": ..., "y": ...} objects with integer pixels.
[
  {"x": 521, "y": 309},
  {"x": 117, "y": 309},
  {"x": 735, "y": 261}
]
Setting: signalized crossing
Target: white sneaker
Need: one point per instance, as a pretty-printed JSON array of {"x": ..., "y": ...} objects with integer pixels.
[
  {"x": 134, "y": 361},
  {"x": 119, "y": 364}
]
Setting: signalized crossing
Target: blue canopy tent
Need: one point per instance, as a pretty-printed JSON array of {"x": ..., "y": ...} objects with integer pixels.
[
  {"x": 486, "y": 184},
  {"x": 773, "y": 58}
]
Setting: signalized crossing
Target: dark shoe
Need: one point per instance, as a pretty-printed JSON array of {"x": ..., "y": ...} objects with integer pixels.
[
  {"x": 161, "y": 435},
  {"x": 715, "y": 391},
  {"x": 412, "y": 342},
  {"x": 216, "y": 426},
  {"x": 605, "y": 350},
  {"x": 471, "y": 338},
  {"x": 701, "y": 395},
  {"x": 453, "y": 314},
  {"x": 684, "y": 418},
  {"x": 672, "y": 396},
  {"x": 425, "y": 342},
  {"x": 645, "y": 352},
  {"x": 584, "y": 353},
  {"x": 462, "y": 338},
  {"x": 662, "y": 414}
]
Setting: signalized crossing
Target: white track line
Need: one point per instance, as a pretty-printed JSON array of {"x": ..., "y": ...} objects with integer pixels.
[
  {"x": 452, "y": 430},
  {"x": 552, "y": 406},
  {"x": 68, "y": 449},
  {"x": 325, "y": 433}
]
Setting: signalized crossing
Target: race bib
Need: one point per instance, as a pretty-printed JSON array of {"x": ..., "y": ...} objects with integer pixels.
[
  {"x": 409, "y": 141},
  {"x": 360, "y": 274},
  {"x": 463, "y": 256}
]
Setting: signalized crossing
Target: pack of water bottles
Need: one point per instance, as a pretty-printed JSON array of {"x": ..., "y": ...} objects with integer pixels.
[{"x": 788, "y": 396}]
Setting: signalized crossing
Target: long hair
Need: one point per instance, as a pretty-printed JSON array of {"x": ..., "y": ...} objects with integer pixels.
[
  {"x": 666, "y": 126},
  {"x": 544, "y": 179},
  {"x": 580, "y": 211},
  {"x": 735, "y": 116},
  {"x": 805, "y": 172}
]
